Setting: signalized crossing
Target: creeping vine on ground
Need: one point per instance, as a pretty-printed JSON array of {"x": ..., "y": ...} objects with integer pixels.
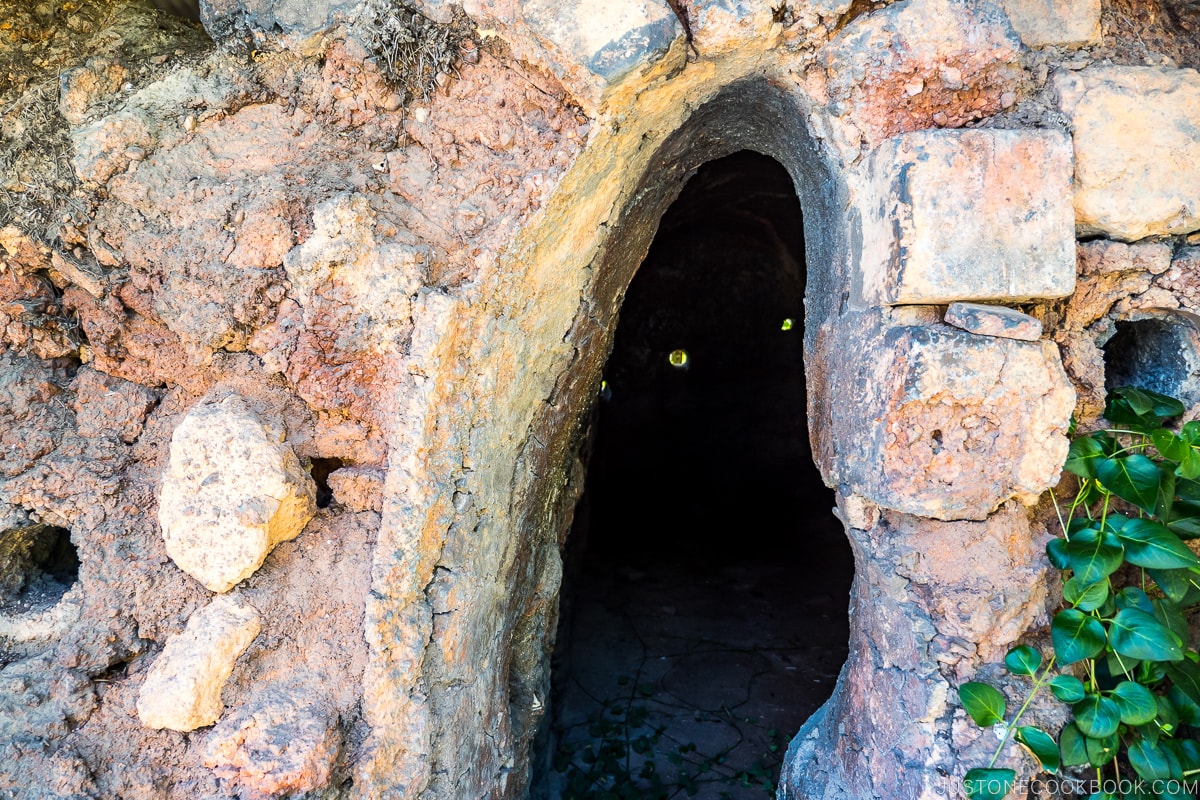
[{"x": 1121, "y": 657}]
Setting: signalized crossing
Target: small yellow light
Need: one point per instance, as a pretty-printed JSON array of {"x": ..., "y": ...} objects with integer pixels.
[
  {"x": 678, "y": 358},
  {"x": 603, "y": 385},
  {"x": 788, "y": 324}
]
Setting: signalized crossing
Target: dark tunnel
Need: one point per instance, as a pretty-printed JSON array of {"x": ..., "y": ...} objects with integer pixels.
[{"x": 704, "y": 609}]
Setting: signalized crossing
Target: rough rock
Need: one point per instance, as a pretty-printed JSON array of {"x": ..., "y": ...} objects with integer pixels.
[
  {"x": 283, "y": 741},
  {"x": 994, "y": 321},
  {"x": 1137, "y": 149},
  {"x": 108, "y": 406},
  {"x": 937, "y": 443},
  {"x": 256, "y": 19},
  {"x": 182, "y": 691},
  {"x": 1063, "y": 23},
  {"x": 1104, "y": 257},
  {"x": 358, "y": 488},
  {"x": 969, "y": 215},
  {"x": 918, "y": 64},
  {"x": 232, "y": 491}
]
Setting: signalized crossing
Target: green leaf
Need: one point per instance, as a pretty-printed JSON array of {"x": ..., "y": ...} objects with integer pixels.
[
  {"x": 1023, "y": 660},
  {"x": 1140, "y": 409},
  {"x": 1186, "y": 708},
  {"x": 1169, "y": 615},
  {"x": 1085, "y": 597},
  {"x": 1186, "y": 675},
  {"x": 989, "y": 784},
  {"x": 1073, "y": 746},
  {"x": 1187, "y": 751},
  {"x": 1139, "y": 635},
  {"x": 1103, "y": 750},
  {"x": 1150, "y": 544},
  {"x": 1135, "y": 703},
  {"x": 1094, "y": 555},
  {"x": 983, "y": 703},
  {"x": 1067, "y": 688},
  {"x": 1149, "y": 760},
  {"x": 1173, "y": 582},
  {"x": 1097, "y": 716},
  {"x": 1056, "y": 552},
  {"x": 1041, "y": 745},
  {"x": 1133, "y": 478},
  {"x": 1081, "y": 458},
  {"x": 1184, "y": 520},
  {"x": 1076, "y": 636},
  {"x": 1133, "y": 597}
]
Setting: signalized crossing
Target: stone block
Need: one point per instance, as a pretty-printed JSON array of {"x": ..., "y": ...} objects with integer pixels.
[
  {"x": 283, "y": 741},
  {"x": 1137, "y": 149},
  {"x": 933, "y": 433},
  {"x": 232, "y": 491},
  {"x": 227, "y": 18},
  {"x": 1002, "y": 321},
  {"x": 182, "y": 691},
  {"x": 968, "y": 215},
  {"x": 1105, "y": 257},
  {"x": 1063, "y": 23},
  {"x": 918, "y": 64},
  {"x": 358, "y": 488},
  {"x": 609, "y": 38}
]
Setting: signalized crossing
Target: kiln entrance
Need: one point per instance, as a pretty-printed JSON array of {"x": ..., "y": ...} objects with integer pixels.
[{"x": 704, "y": 610}]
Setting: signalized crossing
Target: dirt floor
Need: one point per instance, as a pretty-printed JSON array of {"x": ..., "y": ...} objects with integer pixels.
[{"x": 705, "y": 615}]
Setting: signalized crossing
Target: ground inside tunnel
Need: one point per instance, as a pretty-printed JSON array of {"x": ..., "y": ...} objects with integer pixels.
[{"x": 704, "y": 612}]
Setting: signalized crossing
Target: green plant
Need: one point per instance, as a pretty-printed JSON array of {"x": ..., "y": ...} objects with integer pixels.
[{"x": 1121, "y": 658}]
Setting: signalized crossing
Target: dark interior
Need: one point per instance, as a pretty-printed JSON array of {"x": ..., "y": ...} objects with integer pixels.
[
  {"x": 1149, "y": 354},
  {"x": 707, "y": 581}
]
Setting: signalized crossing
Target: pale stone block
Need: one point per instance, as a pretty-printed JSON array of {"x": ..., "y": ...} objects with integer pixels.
[
  {"x": 607, "y": 37},
  {"x": 1104, "y": 257},
  {"x": 1137, "y": 149},
  {"x": 968, "y": 215},
  {"x": 994, "y": 321},
  {"x": 935, "y": 436},
  {"x": 358, "y": 488},
  {"x": 1065, "y": 23},
  {"x": 232, "y": 491},
  {"x": 182, "y": 691}
]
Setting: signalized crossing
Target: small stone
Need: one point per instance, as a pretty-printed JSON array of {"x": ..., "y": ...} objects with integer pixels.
[
  {"x": 182, "y": 691},
  {"x": 285, "y": 740},
  {"x": 135, "y": 153},
  {"x": 392, "y": 102},
  {"x": 994, "y": 321},
  {"x": 189, "y": 123},
  {"x": 231, "y": 492},
  {"x": 421, "y": 115},
  {"x": 358, "y": 488}
]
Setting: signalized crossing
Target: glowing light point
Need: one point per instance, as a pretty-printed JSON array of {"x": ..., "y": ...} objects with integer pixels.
[
  {"x": 788, "y": 324},
  {"x": 678, "y": 358}
]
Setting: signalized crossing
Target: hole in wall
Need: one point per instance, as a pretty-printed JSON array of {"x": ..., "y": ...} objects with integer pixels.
[
  {"x": 1159, "y": 352},
  {"x": 38, "y": 565},
  {"x": 321, "y": 468},
  {"x": 704, "y": 612}
]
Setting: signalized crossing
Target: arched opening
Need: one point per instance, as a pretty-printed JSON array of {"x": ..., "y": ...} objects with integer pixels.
[{"x": 704, "y": 610}]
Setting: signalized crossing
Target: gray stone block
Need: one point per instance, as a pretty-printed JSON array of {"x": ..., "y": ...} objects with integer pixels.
[
  {"x": 1002, "y": 321},
  {"x": 607, "y": 37},
  {"x": 1065, "y": 23},
  {"x": 225, "y": 19},
  {"x": 968, "y": 215}
]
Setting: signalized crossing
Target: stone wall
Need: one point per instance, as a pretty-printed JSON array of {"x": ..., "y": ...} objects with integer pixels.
[{"x": 301, "y": 311}]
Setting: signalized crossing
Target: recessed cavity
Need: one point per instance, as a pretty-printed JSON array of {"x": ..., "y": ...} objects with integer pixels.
[
  {"x": 704, "y": 612},
  {"x": 1160, "y": 353}
]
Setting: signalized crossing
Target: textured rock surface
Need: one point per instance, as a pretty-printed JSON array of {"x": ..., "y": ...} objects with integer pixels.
[
  {"x": 1137, "y": 149},
  {"x": 182, "y": 692},
  {"x": 915, "y": 65},
  {"x": 956, "y": 216},
  {"x": 232, "y": 491},
  {"x": 284, "y": 741},
  {"x": 608, "y": 37},
  {"x": 994, "y": 321},
  {"x": 940, "y": 445},
  {"x": 1068, "y": 23}
]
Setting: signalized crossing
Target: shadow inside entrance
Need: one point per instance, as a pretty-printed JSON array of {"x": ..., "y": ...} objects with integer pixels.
[{"x": 704, "y": 608}]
